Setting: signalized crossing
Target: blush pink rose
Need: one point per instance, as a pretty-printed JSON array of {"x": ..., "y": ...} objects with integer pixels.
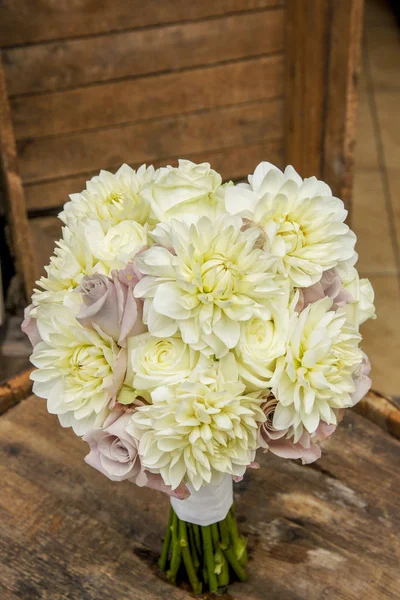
[
  {"x": 110, "y": 304},
  {"x": 330, "y": 285},
  {"x": 29, "y": 326},
  {"x": 280, "y": 442},
  {"x": 114, "y": 452},
  {"x": 362, "y": 381}
]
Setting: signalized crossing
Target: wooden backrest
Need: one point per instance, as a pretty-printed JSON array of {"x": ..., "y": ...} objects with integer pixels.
[{"x": 92, "y": 85}]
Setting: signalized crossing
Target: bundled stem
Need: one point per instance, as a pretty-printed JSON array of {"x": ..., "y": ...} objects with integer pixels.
[{"x": 208, "y": 557}]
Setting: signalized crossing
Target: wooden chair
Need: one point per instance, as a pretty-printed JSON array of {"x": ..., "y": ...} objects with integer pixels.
[{"x": 88, "y": 85}]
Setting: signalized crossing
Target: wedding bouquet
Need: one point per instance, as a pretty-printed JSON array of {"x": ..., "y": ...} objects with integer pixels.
[{"x": 184, "y": 323}]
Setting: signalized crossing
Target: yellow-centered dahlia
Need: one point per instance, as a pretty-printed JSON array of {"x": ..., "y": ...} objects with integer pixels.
[
  {"x": 316, "y": 376},
  {"x": 194, "y": 432},
  {"x": 204, "y": 279},
  {"x": 111, "y": 198},
  {"x": 303, "y": 222},
  {"x": 78, "y": 370}
]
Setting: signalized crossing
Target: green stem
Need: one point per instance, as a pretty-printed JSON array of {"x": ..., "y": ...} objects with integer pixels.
[
  {"x": 239, "y": 542},
  {"x": 223, "y": 576},
  {"x": 187, "y": 558},
  {"x": 224, "y": 532},
  {"x": 192, "y": 546},
  {"x": 235, "y": 564},
  {"x": 176, "y": 551},
  {"x": 209, "y": 558},
  {"x": 196, "y": 533},
  {"x": 215, "y": 535},
  {"x": 162, "y": 563}
]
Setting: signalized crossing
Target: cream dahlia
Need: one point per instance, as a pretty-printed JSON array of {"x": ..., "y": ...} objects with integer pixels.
[
  {"x": 316, "y": 375},
  {"x": 195, "y": 431},
  {"x": 85, "y": 249},
  {"x": 303, "y": 222},
  {"x": 203, "y": 280},
  {"x": 78, "y": 370},
  {"x": 112, "y": 198}
]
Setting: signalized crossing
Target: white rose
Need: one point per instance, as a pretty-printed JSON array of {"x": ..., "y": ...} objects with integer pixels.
[
  {"x": 362, "y": 308},
  {"x": 115, "y": 248},
  {"x": 154, "y": 361},
  {"x": 187, "y": 190},
  {"x": 261, "y": 342}
]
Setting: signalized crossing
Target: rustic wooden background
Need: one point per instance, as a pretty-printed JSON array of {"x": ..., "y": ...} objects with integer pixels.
[{"x": 89, "y": 85}]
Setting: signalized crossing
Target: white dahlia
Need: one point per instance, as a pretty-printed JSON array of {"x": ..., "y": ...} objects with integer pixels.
[
  {"x": 112, "y": 197},
  {"x": 303, "y": 222},
  {"x": 207, "y": 279},
  {"x": 79, "y": 371},
  {"x": 316, "y": 375},
  {"x": 85, "y": 249},
  {"x": 194, "y": 432},
  {"x": 261, "y": 343},
  {"x": 72, "y": 260},
  {"x": 188, "y": 190}
]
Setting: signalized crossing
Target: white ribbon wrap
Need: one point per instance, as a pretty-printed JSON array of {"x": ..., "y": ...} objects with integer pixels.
[{"x": 207, "y": 506}]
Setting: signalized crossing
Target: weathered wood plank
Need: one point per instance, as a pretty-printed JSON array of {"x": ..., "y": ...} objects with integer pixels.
[
  {"x": 382, "y": 410},
  {"x": 341, "y": 97},
  {"x": 306, "y": 64},
  {"x": 232, "y": 163},
  {"x": 321, "y": 78},
  {"x": 66, "y": 531},
  {"x": 14, "y": 194},
  {"x": 44, "y": 233},
  {"x": 73, "y": 63},
  {"x": 14, "y": 390},
  {"x": 151, "y": 97},
  {"x": 31, "y": 21},
  {"x": 203, "y": 131}
]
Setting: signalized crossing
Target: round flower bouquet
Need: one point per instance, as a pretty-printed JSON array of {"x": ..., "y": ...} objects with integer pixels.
[{"x": 185, "y": 323}]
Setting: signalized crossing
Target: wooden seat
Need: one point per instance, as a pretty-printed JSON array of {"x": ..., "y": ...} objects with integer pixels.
[{"x": 326, "y": 531}]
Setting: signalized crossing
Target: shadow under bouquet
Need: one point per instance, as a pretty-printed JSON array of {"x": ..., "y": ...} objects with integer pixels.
[{"x": 184, "y": 323}]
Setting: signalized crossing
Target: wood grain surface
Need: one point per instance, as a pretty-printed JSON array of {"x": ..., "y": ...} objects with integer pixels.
[
  {"x": 203, "y": 131},
  {"x": 20, "y": 242},
  {"x": 321, "y": 89},
  {"x": 134, "y": 100},
  {"x": 82, "y": 61},
  {"x": 328, "y": 531},
  {"x": 233, "y": 163},
  {"x": 29, "y": 21}
]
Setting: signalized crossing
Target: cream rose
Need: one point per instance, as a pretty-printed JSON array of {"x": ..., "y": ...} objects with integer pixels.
[
  {"x": 362, "y": 307},
  {"x": 188, "y": 190},
  {"x": 118, "y": 246},
  {"x": 153, "y": 361},
  {"x": 261, "y": 342}
]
